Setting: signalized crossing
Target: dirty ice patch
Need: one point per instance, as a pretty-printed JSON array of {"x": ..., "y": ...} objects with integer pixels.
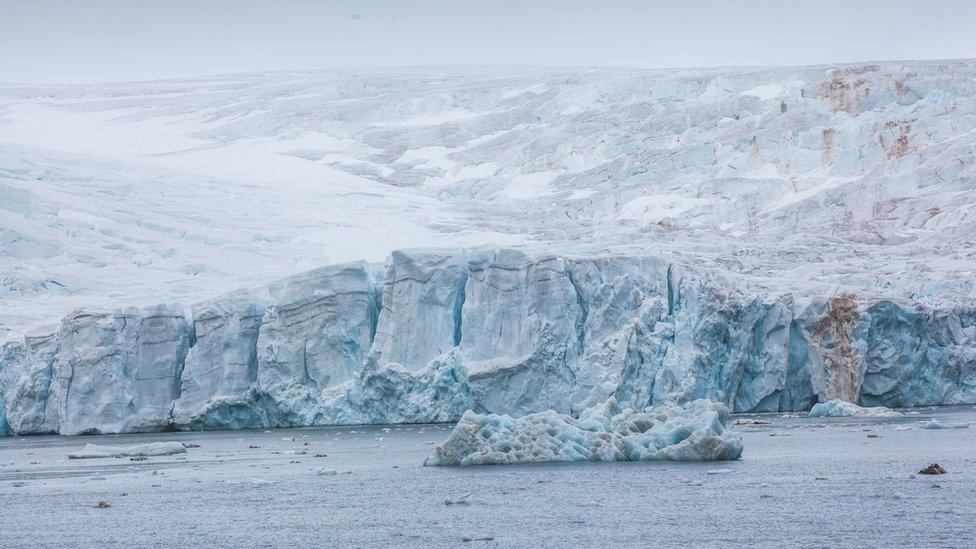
[{"x": 693, "y": 432}]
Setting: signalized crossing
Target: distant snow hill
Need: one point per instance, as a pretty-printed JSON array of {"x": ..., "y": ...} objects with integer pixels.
[{"x": 847, "y": 185}]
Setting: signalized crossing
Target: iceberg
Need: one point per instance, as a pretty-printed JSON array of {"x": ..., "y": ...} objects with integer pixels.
[
  {"x": 841, "y": 408},
  {"x": 936, "y": 424},
  {"x": 95, "y": 451},
  {"x": 693, "y": 432}
]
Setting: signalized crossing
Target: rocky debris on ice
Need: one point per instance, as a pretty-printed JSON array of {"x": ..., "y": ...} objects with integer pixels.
[
  {"x": 841, "y": 408},
  {"x": 92, "y": 451},
  {"x": 932, "y": 469},
  {"x": 692, "y": 432},
  {"x": 936, "y": 424}
]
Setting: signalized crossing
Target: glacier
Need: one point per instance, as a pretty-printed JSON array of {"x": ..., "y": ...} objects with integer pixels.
[
  {"x": 405, "y": 245},
  {"x": 693, "y": 432}
]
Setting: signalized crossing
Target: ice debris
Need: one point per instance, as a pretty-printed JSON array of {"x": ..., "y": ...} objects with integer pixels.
[
  {"x": 840, "y": 408},
  {"x": 92, "y": 451},
  {"x": 695, "y": 431},
  {"x": 936, "y": 424}
]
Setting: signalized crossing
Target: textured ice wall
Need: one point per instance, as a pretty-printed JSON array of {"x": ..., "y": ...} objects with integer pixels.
[{"x": 496, "y": 331}]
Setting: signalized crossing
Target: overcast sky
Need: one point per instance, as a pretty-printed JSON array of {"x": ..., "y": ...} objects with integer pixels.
[{"x": 63, "y": 41}]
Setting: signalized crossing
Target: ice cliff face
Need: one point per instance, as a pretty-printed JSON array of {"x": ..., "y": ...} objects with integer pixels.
[{"x": 497, "y": 331}]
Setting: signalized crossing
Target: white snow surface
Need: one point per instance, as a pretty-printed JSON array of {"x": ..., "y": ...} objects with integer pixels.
[
  {"x": 693, "y": 432},
  {"x": 403, "y": 245}
]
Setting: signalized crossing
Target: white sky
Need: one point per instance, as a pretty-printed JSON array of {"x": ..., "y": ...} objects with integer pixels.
[{"x": 64, "y": 41}]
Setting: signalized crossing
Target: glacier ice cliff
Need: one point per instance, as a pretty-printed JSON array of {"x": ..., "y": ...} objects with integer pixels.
[
  {"x": 436, "y": 332},
  {"x": 692, "y": 432}
]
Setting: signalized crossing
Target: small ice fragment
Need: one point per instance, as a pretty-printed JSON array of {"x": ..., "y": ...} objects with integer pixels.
[
  {"x": 326, "y": 472},
  {"x": 460, "y": 500},
  {"x": 718, "y": 471},
  {"x": 935, "y": 424}
]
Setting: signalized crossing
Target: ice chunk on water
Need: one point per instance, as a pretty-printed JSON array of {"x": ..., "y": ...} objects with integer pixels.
[
  {"x": 693, "y": 432},
  {"x": 935, "y": 424},
  {"x": 840, "y": 408},
  {"x": 149, "y": 449}
]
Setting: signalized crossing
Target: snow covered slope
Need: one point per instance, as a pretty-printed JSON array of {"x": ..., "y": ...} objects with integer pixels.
[{"x": 823, "y": 219}]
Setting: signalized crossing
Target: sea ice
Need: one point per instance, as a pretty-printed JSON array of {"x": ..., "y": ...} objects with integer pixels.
[{"x": 693, "y": 432}]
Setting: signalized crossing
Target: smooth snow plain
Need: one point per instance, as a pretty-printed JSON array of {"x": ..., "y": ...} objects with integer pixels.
[{"x": 801, "y": 482}]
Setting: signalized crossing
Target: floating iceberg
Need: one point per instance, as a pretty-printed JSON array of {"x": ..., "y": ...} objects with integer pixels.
[
  {"x": 935, "y": 424},
  {"x": 693, "y": 432},
  {"x": 93, "y": 451},
  {"x": 841, "y": 408}
]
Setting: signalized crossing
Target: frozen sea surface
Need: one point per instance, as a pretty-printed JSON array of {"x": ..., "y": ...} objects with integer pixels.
[{"x": 801, "y": 482}]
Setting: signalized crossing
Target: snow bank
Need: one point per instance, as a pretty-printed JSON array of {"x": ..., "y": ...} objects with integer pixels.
[
  {"x": 92, "y": 451},
  {"x": 841, "y": 408},
  {"x": 693, "y": 432}
]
